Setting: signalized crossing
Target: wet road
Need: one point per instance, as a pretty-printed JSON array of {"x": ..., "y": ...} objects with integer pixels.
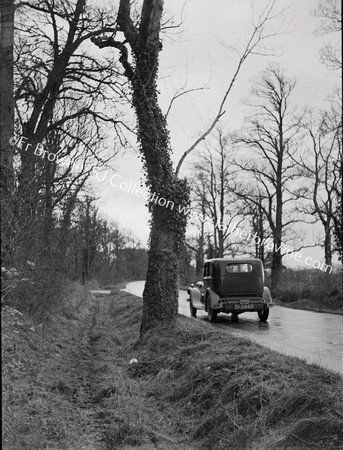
[{"x": 314, "y": 337}]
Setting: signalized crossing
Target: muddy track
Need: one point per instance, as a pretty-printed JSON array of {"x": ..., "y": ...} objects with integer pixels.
[
  {"x": 107, "y": 397},
  {"x": 81, "y": 360}
]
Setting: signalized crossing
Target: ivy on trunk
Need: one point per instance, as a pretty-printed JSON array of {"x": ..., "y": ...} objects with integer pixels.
[{"x": 169, "y": 194}]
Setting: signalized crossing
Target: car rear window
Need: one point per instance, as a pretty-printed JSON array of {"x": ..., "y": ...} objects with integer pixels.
[{"x": 239, "y": 268}]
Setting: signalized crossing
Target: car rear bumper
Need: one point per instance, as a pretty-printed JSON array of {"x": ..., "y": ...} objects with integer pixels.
[{"x": 239, "y": 305}]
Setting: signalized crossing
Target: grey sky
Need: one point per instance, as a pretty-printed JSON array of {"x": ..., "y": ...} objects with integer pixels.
[{"x": 197, "y": 58}]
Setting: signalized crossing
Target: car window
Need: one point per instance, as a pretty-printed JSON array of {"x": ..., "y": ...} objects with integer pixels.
[
  {"x": 208, "y": 270},
  {"x": 239, "y": 268}
]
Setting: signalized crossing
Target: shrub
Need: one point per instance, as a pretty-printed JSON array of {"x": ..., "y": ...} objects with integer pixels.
[
  {"x": 39, "y": 294},
  {"x": 325, "y": 290}
]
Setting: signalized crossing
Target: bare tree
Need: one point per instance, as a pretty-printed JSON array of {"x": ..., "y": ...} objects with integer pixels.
[
  {"x": 255, "y": 211},
  {"x": 321, "y": 164},
  {"x": 199, "y": 206},
  {"x": 59, "y": 86},
  {"x": 213, "y": 192},
  {"x": 271, "y": 133},
  {"x": 255, "y": 45},
  {"x": 330, "y": 12}
]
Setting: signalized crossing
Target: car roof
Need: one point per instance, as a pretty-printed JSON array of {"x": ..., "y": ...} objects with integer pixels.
[{"x": 233, "y": 260}]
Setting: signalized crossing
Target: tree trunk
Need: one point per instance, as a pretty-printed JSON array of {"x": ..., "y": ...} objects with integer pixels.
[
  {"x": 327, "y": 245},
  {"x": 6, "y": 127},
  {"x": 47, "y": 237},
  {"x": 277, "y": 256},
  {"x": 6, "y": 91},
  {"x": 199, "y": 262},
  {"x": 160, "y": 296},
  {"x": 220, "y": 253},
  {"x": 168, "y": 193},
  {"x": 276, "y": 263},
  {"x": 276, "y": 260},
  {"x": 161, "y": 292}
]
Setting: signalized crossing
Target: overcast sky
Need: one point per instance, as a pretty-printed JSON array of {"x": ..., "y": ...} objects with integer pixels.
[{"x": 198, "y": 58}]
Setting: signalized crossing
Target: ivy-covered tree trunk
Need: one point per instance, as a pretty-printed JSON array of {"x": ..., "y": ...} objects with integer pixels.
[
  {"x": 167, "y": 225},
  {"x": 168, "y": 193}
]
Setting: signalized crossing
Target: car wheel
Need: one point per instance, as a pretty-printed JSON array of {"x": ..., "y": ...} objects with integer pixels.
[
  {"x": 211, "y": 313},
  {"x": 263, "y": 315},
  {"x": 192, "y": 310},
  {"x": 234, "y": 317}
]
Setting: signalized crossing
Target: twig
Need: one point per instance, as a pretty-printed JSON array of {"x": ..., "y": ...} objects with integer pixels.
[
  {"x": 162, "y": 436},
  {"x": 10, "y": 429}
]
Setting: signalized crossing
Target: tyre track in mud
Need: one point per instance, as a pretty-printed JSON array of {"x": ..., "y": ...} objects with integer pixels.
[{"x": 81, "y": 361}]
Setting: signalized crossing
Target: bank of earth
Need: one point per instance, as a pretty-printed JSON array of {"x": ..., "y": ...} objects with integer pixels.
[{"x": 84, "y": 380}]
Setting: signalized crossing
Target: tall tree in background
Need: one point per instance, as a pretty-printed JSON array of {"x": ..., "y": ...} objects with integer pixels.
[
  {"x": 59, "y": 86},
  {"x": 196, "y": 243},
  {"x": 330, "y": 12},
  {"x": 255, "y": 211},
  {"x": 320, "y": 166},
  {"x": 213, "y": 191},
  {"x": 94, "y": 249},
  {"x": 271, "y": 132}
]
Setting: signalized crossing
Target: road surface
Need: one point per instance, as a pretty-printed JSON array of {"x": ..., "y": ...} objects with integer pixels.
[{"x": 314, "y": 337}]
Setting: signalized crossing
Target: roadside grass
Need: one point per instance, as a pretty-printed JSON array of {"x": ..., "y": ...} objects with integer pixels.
[
  {"x": 86, "y": 380},
  {"x": 39, "y": 386},
  {"x": 311, "y": 290},
  {"x": 225, "y": 392}
]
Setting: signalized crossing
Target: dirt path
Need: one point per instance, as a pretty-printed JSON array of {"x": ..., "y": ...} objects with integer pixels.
[
  {"x": 74, "y": 374},
  {"x": 80, "y": 362}
]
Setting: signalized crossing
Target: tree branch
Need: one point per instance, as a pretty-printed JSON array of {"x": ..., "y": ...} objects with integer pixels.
[{"x": 257, "y": 36}]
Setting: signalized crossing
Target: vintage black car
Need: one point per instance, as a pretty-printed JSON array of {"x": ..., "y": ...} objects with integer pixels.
[{"x": 231, "y": 286}]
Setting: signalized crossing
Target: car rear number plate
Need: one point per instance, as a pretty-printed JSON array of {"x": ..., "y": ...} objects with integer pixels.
[{"x": 244, "y": 306}]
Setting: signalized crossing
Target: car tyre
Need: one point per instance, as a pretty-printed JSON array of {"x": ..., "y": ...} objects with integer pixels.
[
  {"x": 211, "y": 313},
  {"x": 263, "y": 315},
  {"x": 192, "y": 310}
]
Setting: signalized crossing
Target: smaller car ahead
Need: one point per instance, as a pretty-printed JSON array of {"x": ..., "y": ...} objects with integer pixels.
[{"x": 231, "y": 286}]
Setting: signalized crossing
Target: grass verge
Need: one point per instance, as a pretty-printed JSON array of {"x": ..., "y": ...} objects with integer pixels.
[
  {"x": 87, "y": 382},
  {"x": 311, "y": 290}
]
